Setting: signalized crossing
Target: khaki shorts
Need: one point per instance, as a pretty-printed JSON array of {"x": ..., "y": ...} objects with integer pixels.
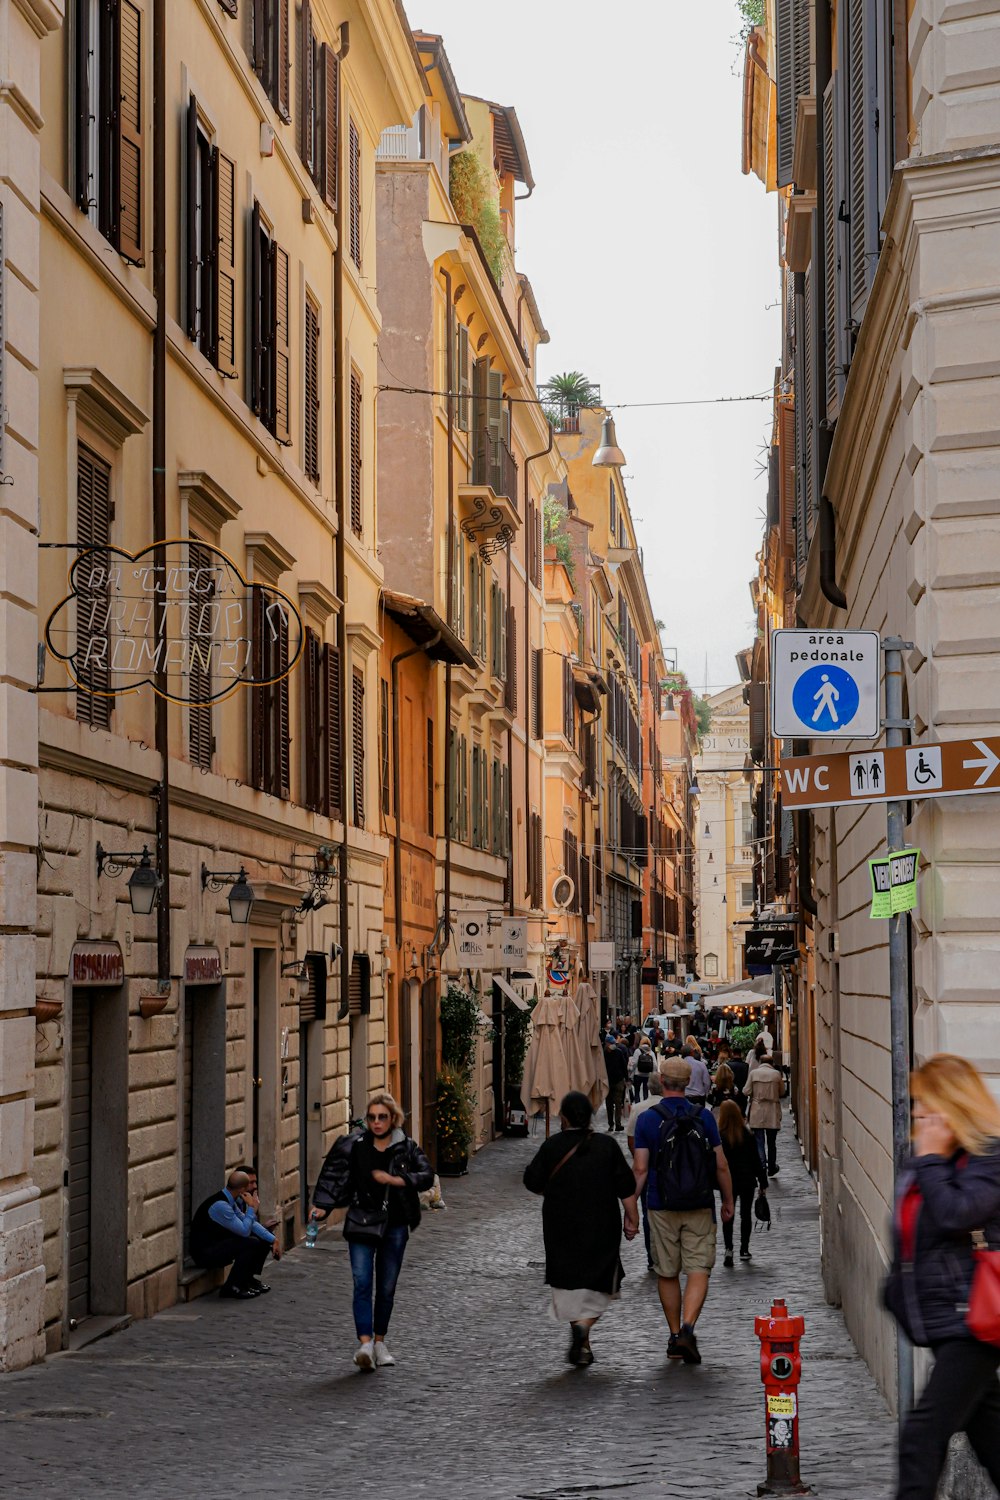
[{"x": 682, "y": 1240}]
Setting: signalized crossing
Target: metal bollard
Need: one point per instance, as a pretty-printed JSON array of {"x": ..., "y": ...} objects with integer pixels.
[{"x": 781, "y": 1370}]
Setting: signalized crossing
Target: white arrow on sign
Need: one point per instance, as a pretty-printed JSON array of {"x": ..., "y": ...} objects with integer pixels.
[{"x": 989, "y": 763}]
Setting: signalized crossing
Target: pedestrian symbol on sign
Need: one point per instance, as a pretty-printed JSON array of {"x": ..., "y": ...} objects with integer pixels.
[{"x": 826, "y": 697}]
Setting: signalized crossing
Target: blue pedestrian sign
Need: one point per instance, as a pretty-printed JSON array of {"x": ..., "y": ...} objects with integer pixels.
[{"x": 825, "y": 684}]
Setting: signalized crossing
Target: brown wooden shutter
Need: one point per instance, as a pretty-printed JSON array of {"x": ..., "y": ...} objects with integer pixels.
[
  {"x": 786, "y": 475},
  {"x": 129, "y": 153},
  {"x": 312, "y": 657},
  {"x": 384, "y": 766},
  {"x": 256, "y": 332},
  {"x": 193, "y": 213},
  {"x": 354, "y": 167},
  {"x": 312, "y": 1005},
  {"x": 200, "y": 741},
  {"x": 510, "y": 690},
  {"x": 476, "y": 798},
  {"x": 538, "y": 710},
  {"x": 231, "y": 7},
  {"x": 833, "y": 370},
  {"x": 282, "y": 351},
  {"x": 359, "y": 985},
  {"x": 429, "y": 775},
  {"x": 83, "y": 42},
  {"x": 333, "y": 734},
  {"x": 358, "y": 746},
  {"x": 784, "y": 49},
  {"x": 93, "y": 669},
  {"x": 284, "y": 96},
  {"x": 283, "y": 749},
  {"x": 257, "y": 693},
  {"x": 862, "y": 156},
  {"x": 357, "y": 434},
  {"x": 311, "y": 428},
  {"x": 307, "y": 95},
  {"x": 224, "y": 234},
  {"x": 331, "y": 143},
  {"x": 258, "y": 38}
]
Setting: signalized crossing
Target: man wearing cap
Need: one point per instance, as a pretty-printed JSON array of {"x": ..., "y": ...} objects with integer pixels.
[{"x": 679, "y": 1158}]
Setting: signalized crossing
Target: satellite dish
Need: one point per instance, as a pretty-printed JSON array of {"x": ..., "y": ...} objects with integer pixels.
[{"x": 563, "y": 891}]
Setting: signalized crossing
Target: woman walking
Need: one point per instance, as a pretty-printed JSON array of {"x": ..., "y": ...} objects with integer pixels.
[
  {"x": 583, "y": 1177},
  {"x": 724, "y": 1090},
  {"x": 948, "y": 1192},
  {"x": 376, "y": 1174},
  {"x": 748, "y": 1173}
]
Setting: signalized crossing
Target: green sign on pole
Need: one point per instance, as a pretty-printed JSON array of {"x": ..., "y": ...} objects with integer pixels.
[{"x": 894, "y": 883}]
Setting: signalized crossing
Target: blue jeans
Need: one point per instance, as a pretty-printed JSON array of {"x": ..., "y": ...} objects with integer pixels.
[
  {"x": 767, "y": 1147},
  {"x": 381, "y": 1262}
]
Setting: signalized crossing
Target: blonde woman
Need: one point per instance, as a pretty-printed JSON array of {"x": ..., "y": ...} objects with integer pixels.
[
  {"x": 950, "y": 1188},
  {"x": 376, "y": 1174}
]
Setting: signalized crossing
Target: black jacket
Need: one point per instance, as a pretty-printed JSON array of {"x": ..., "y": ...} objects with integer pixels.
[
  {"x": 616, "y": 1063},
  {"x": 928, "y": 1291},
  {"x": 581, "y": 1215},
  {"x": 745, "y": 1165},
  {"x": 338, "y": 1182}
]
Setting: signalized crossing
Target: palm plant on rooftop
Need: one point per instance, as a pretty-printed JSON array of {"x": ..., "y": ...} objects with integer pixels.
[{"x": 564, "y": 396}]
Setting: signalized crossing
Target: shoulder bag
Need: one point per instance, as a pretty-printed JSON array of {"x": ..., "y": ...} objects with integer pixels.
[
  {"x": 983, "y": 1317},
  {"x": 562, "y": 1162},
  {"x": 368, "y": 1225}
]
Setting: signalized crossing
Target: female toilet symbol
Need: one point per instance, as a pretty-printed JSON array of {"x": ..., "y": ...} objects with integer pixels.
[{"x": 825, "y": 700}]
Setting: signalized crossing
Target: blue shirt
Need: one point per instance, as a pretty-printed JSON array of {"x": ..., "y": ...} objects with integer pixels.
[
  {"x": 647, "y": 1136},
  {"x": 232, "y": 1214}
]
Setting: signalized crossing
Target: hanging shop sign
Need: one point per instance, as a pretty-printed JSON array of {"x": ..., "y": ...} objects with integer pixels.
[
  {"x": 894, "y": 883},
  {"x": 513, "y": 942},
  {"x": 181, "y": 621},
  {"x": 602, "y": 958},
  {"x": 93, "y": 964},
  {"x": 472, "y": 939},
  {"x": 762, "y": 944},
  {"x": 202, "y": 966}
]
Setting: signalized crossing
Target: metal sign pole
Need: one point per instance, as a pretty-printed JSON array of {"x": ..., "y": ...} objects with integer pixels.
[{"x": 899, "y": 1000}]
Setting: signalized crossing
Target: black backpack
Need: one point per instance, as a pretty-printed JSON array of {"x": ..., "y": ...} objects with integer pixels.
[
  {"x": 644, "y": 1062},
  {"x": 685, "y": 1160}
]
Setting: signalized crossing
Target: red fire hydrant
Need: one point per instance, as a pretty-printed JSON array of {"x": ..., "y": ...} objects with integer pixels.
[{"x": 781, "y": 1370}]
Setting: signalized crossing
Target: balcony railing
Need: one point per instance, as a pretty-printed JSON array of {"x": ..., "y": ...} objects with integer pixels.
[
  {"x": 494, "y": 464},
  {"x": 400, "y": 143}
]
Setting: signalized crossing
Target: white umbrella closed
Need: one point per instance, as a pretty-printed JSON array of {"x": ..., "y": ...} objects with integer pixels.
[
  {"x": 588, "y": 1041},
  {"x": 546, "y": 1067}
]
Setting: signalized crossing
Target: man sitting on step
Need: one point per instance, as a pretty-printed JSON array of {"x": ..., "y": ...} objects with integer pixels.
[{"x": 225, "y": 1230}]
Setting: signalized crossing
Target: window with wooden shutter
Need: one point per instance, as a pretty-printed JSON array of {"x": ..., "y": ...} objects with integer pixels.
[
  {"x": 786, "y": 475},
  {"x": 270, "y": 361},
  {"x": 463, "y": 789},
  {"x": 383, "y": 728},
  {"x": 270, "y": 729},
  {"x": 358, "y": 746},
  {"x": 359, "y": 986},
  {"x": 108, "y": 146},
  {"x": 201, "y": 742},
  {"x": 538, "y": 694},
  {"x": 312, "y": 719},
  {"x": 330, "y": 70},
  {"x": 307, "y": 89},
  {"x": 429, "y": 775},
  {"x": 463, "y": 407},
  {"x": 356, "y": 451},
  {"x": 510, "y": 681},
  {"x": 270, "y": 51},
  {"x": 333, "y": 734},
  {"x": 833, "y": 292},
  {"x": 452, "y": 808},
  {"x": 311, "y": 439},
  {"x": 223, "y": 355},
  {"x": 282, "y": 351},
  {"x": 477, "y": 792},
  {"x": 801, "y": 434},
  {"x": 354, "y": 187},
  {"x": 809, "y": 434},
  {"x": 312, "y": 1004},
  {"x": 568, "y": 701},
  {"x": 93, "y": 606}
]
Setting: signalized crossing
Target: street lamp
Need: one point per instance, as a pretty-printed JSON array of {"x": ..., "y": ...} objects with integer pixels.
[
  {"x": 298, "y": 970},
  {"x": 241, "y": 894},
  {"x": 608, "y": 455},
  {"x": 144, "y": 882}
]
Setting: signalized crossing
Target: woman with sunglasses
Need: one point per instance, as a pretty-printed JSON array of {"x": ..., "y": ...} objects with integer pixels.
[{"x": 376, "y": 1174}]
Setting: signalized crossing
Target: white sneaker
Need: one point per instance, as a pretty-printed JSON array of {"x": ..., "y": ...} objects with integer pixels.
[
  {"x": 382, "y": 1355},
  {"x": 364, "y": 1357}
]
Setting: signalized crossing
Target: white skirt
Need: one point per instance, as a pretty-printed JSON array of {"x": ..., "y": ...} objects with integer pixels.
[{"x": 571, "y": 1305}]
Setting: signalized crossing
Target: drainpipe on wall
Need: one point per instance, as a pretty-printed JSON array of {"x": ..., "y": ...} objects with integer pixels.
[
  {"x": 340, "y": 547},
  {"x": 444, "y": 926},
  {"x": 159, "y": 483},
  {"x": 397, "y": 843}
]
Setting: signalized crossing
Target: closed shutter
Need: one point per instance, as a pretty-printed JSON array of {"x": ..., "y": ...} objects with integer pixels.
[
  {"x": 311, "y": 425},
  {"x": 463, "y": 415},
  {"x": 359, "y": 986},
  {"x": 312, "y": 1004},
  {"x": 256, "y": 332},
  {"x": 257, "y": 755},
  {"x": 354, "y": 168},
  {"x": 477, "y": 835},
  {"x": 510, "y": 689},
  {"x": 284, "y": 97},
  {"x": 312, "y": 656},
  {"x": 357, "y": 512},
  {"x": 130, "y": 154},
  {"x": 784, "y": 48},
  {"x": 452, "y": 808},
  {"x": 832, "y": 290},
  {"x": 809, "y": 425},
  {"x": 282, "y": 719},
  {"x": 598, "y": 863},
  {"x": 331, "y": 136},
  {"x": 358, "y": 746},
  {"x": 568, "y": 701},
  {"x": 201, "y": 744},
  {"x": 224, "y": 215},
  {"x": 429, "y": 775},
  {"x": 463, "y": 789},
  {"x": 281, "y": 349},
  {"x": 93, "y": 640},
  {"x": 195, "y": 251},
  {"x": 801, "y": 414},
  {"x": 307, "y": 91},
  {"x": 863, "y": 152},
  {"x": 333, "y": 734},
  {"x": 84, "y": 43},
  {"x": 538, "y": 686},
  {"x": 384, "y": 767},
  {"x": 786, "y": 475},
  {"x": 506, "y": 812},
  {"x": 258, "y": 38}
]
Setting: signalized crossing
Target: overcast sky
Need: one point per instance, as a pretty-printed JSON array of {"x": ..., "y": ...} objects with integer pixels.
[{"x": 653, "y": 260}]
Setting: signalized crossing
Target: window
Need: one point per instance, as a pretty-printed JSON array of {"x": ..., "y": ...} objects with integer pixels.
[
  {"x": 457, "y": 603},
  {"x": 270, "y": 357},
  {"x": 357, "y": 439},
  {"x": 498, "y": 631},
  {"x": 319, "y": 102},
  {"x": 477, "y": 606},
  {"x": 500, "y": 782},
  {"x": 538, "y": 693},
  {"x": 354, "y": 215},
  {"x": 358, "y": 745},
  {"x": 94, "y": 513},
  {"x": 480, "y": 799},
  {"x": 458, "y": 810},
  {"x": 462, "y": 379},
  {"x": 201, "y": 742},
  {"x": 383, "y": 729},
  {"x": 211, "y": 246},
  {"x": 536, "y": 861},
  {"x": 109, "y": 154},
  {"x": 746, "y": 823},
  {"x": 568, "y": 701},
  {"x": 430, "y": 777},
  {"x": 311, "y": 398},
  {"x": 746, "y": 893},
  {"x": 510, "y": 680},
  {"x": 322, "y": 770},
  {"x": 270, "y": 738},
  {"x": 612, "y": 511},
  {"x": 269, "y": 50}
]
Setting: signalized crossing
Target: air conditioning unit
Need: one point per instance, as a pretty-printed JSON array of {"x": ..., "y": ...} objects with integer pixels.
[{"x": 563, "y": 891}]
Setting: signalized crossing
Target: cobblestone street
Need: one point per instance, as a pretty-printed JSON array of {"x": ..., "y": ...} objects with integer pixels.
[{"x": 215, "y": 1397}]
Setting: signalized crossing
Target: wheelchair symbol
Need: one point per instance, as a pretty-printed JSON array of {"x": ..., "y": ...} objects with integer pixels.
[{"x": 922, "y": 772}]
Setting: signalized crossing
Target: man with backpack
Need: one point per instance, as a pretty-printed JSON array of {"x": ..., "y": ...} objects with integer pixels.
[
  {"x": 641, "y": 1064},
  {"x": 680, "y": 1162}
]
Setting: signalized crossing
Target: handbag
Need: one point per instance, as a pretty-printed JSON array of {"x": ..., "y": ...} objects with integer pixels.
[
  {"x": 762, "y": 1210},
  {"x": 561, "y": 1163},
  {"x": 983, "y": 1317},
  {"x": 367, "y": 1224}
]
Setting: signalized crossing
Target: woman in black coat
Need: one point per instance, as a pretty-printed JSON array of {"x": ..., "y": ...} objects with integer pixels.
[
  {"x": 380, "y": 1172},
  {"x": 949, "y": 1190},
  {"x": 748, "y": 1173},
  {"x": 583, "y": 1177}
]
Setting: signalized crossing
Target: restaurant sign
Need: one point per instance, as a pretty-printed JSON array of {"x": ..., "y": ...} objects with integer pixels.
[
  {"x": 202, "y": 966},
  {"x": 93, "y": 964}
]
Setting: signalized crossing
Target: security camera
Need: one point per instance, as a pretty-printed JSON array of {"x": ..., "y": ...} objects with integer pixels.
[{"x": 335, "y": 951}]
